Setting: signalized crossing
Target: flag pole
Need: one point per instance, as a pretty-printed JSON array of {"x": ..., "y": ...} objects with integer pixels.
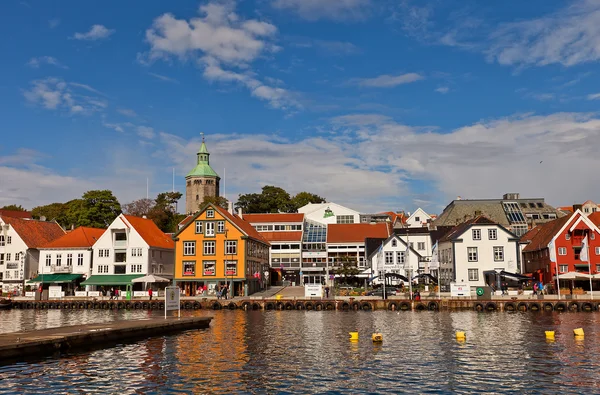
[
  {"x": 409, "y": 268},
  {"x": 587, "y": 246},
  {"x": 552, "y": 256}
]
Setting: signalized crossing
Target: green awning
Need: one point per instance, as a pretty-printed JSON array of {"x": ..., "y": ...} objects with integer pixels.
[
  {"x": 111, "y": 279},
  {"x": 55, "y": 278}
]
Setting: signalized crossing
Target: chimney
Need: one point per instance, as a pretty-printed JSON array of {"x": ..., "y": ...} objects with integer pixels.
[
  {"x": 230, "y": 208},
  {"x": 42, "y": 218},
  {"x": 143, "y": 216},
  {"x": 240, "y": 213}
]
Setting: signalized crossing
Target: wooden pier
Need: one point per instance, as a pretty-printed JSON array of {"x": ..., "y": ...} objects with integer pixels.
[{"x": 20, "y": 345}]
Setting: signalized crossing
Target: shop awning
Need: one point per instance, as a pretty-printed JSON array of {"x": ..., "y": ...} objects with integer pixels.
[
  {"x": 55, "y": 278},
  {"x": 111, "y": 279}
]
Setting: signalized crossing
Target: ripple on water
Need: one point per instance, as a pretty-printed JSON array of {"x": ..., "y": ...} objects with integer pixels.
[{"x": 309, "y": 352}]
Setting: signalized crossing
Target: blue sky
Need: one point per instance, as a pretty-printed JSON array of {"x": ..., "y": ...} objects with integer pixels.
[{"x": 376, "y": 105}]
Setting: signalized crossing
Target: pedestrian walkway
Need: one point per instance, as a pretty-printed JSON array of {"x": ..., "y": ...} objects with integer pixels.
[
  {"x": 268, "y": 293},
  {"x": 290, "y": 292}
]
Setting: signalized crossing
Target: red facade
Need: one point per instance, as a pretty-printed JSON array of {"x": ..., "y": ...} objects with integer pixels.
[{"x": 567, "y": 245}]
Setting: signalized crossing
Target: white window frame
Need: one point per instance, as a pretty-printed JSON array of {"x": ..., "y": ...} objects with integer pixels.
[
  {"x": 492, "y": 234},
  {"x": 221, "y": 227},
  {"x": 208, "y": 246},
  {"x": 498, "y": 254},
  {"x": 563, "y": 268},
  {"x": 470, "y": 251},
  {"x": 209, "y": 229},
  {"x": 214, "y": 268},
  {"x": 210, "y": 213},
  {"x": 199, "y": 227},
  {"x": 80, "y": 259},
  {"x": 189, "y": 248},
  {"x": 476, "y": 234},
  {"x": 58, "y": 259},
  {"x": 394, "y": 243},
  {"x": 562, "y": 251},
  {"x": 69, "y": 259},
  {"x": 8, "y": 239},
  {"x": 597, "y": 250},
  {"x": 230, "y": 247},
  {"x": 48, "y": 260},
  {"x": 191, "y": 264},
  {"x": 400, "y": 257},
  {"x": 420, "y": 245},
  {"x": 389, "y": 257},
  {"x": 231, "y": 264},
  {"x": 470, "y": 273}
]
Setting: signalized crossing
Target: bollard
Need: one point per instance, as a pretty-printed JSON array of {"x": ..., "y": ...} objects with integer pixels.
[
  {"x": 377, "y": 337},
  {"x": 549, "y": 335},
  {"x": 461, "y": 335},
  {"x": 353, "y": 335},
  {"x": 578, "y": 332}
]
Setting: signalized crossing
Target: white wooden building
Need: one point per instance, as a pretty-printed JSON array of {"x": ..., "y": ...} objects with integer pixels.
[{"x": 394, "y": 256}]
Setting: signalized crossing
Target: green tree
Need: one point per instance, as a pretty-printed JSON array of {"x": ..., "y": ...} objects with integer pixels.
[
  {"x": 138, "y": 207},
  {"x": 346, "y": 267},
  {"x": 216, "y": 200},
  {"x": 163, "y": 213},
  {"x": 249, "y": 203},
  {"x": 272, "y": 199},
  {"x": 13, "y": 207},
  {"x": 303, "y": 198},
  {"x": 98, "y": 209}
]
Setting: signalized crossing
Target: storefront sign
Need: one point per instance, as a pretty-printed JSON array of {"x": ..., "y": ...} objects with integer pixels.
[
  {"x": 81, "y": 293},
  {"x": 313, "y": 290},
  {"x": 93, "y": 293},
  {"x": 459, "y": 290},
  {"x": 137, "y": 294},
  {"x": 172, "y": 300},
  {"x": 328, "y": 213},
  {"x": 55, "y": 292}
]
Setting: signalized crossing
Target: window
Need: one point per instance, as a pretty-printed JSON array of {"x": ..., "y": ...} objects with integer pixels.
[
  {"x": 136, "y": 268},
  {"x": 103, "y": 253},
  {"x": 48, "y": 260},
  {"x": 345, "y": 219},
  {"x": 492, "y": 234},
  {"x": 597, "y": 250},
  {"x": 562, "y": 251},
  {"x": 472, "y": 254},
  {"x": 120, "y": 269},
  {"x": 209, "y": 268},
  {"x": 8, "y": 239},
  {"x": 417, "y": 219},
  {"x": 473, "y": 274},
  {"x": 400, "y": 257},
  {"x": 103, "y": 269},
  {"x": 592, "y": 236},
  {"x": 567, "y": 236},
  {"x": 136, "y": 251},
  {"x": 58, "y": 259},
  {"x": 231, "y": 268},
  {"x": 189, "y": 268},
  {"x": 221, "y": 227},
  {"x": 80, "y": 259},
  {"x": 121, "y": 257},
  {"x": 2, "y": 260},
  {"x": 198, "y": 226},
  {"x": 420, "y": 246},
  {"x": 69, "y": 259},
  {"x": 598, "y": 267},
  {"x": 209, "y": 229},
  {"x": 563, "y": 268},
  {"x": 209, "y": 248},
  {"x": 476, "y": 234},
  {"x": 389, "y": 257},
  {"x": 8, "y": 257},
  {"x": 498, "y": 254},
  {"x": 1, "y": 241},
  {"x": 189, "y": 248},
  {"x": 587, "y": 210},
  {"x": 230, "y": 247},
  {"x": 394, "y": 243},
  {"x": 210, "y": 213}
]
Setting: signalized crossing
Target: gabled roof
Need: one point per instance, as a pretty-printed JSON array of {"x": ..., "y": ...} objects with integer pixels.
[
  {"x": 243, "y": 225},
  {"x": 546, "y": 233},
  {"x": 566, "y": 209},
  {"x": 373, "y": 244},
  {"x": 462, "y": 228},
  {"x": 396, "y": 216},
  {"x": 185, "y": 221},
  {"x": 356, "y": 233},
  {"x": 374, "y": 249},
  {"x": 273, "y": 217},
  {"x": 148, "y": 231},
  {"x": 595, "y": 218},
  {"x": 589, "y": 202},
  {"x": 527, "y": 237},
  {"x": 438, "y": 232},
  {"x": 15, "y": 213},
  {"x": 295, "y": 236},
  {"x": 82, "y": 237},
  {"x": 35, "y": 234}
]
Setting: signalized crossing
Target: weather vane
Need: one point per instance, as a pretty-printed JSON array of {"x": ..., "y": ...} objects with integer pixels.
[{"x": 202, "y": 134}]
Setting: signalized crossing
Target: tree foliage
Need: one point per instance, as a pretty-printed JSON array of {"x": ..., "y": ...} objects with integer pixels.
[
  {"x": 138, "y": 207},
  {"x": 13, "y": 207},
  {"x": 216, "y": 200},
  {"x": 66, "y": 214},
  {"x": 274, "y": 199},
  {"x": 98, "y": 209},
  {"x": 347, "y": 267}
]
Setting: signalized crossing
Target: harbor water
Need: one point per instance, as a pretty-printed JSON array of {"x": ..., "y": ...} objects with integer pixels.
[{"x": 310, "y": 352}]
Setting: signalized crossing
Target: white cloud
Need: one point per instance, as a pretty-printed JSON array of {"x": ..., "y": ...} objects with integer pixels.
[
  {"x": 56, "y": 94},
  {"x": 386, "y": 80},
  {"x": 443, "y": 90},
  {"x": 145, "y": 132},
  {"x": 313, "y": 10},
  {"x": 96, "y": 32},
  {"x": 114, "y": 126},
  {"x": 52, "y": 23},
  {"x": 127, "y": 112},
  {"x": 164, "y": 78},
  {"x": 37, "y": 62},
  {"x": 568, "y": 37},
  {"x": 593, "y": 96}
]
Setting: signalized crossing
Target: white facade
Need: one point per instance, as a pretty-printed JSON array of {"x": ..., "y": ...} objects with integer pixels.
[
  {"x": 66, "y": 260},
  {"x": 418, "y": 219},
  {"x": 395, "y": 258},
  {"x": 479, "y": 248},
  {"x": 15, "y": 259},
  {"x": 121, "y": 250},
  {"x": 329, "y": 213},
  {"x": 421, "y": 243}
]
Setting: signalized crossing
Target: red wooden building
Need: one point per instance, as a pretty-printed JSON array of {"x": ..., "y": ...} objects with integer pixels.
[{"x": 568, "y": 233}]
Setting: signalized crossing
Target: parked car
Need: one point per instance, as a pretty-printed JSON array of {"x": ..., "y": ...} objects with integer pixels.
[{"x": 379, "y": 292}]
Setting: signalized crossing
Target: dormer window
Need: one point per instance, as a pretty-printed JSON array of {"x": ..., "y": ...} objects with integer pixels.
[
  {"x": 210, "y": 213},
  {"x": 394, "y": 243}
]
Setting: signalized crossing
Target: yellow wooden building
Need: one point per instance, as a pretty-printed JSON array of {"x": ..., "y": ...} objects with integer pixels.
[{"x": 214, "y": 247}]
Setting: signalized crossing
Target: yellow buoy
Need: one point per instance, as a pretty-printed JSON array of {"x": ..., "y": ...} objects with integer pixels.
[
  {"x": 460, "y": 335},
  {"x": 377, "y": 337},
  {"x": 353, "y": 335},
  {"x": 278, "y": 297},
  {"x": 550, "y": 335},
  {"x": 578, "y": 332}
]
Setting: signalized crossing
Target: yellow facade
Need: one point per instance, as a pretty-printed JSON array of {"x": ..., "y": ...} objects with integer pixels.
[{"x": 212, "y": 250}]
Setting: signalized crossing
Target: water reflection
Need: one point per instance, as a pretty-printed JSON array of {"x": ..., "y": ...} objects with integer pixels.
[{"x": 310, "y": 352}]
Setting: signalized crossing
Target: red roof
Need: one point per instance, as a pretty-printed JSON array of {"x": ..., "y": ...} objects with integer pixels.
[
  {"x": 35, "y": 233},
  {"x": 151, "y": 234},
  {"x": 242, "y": 224},
  {"x": 527, "y": 237},
  {"x": 282, "y": 236},
  {"x": 273, "y": 217},
  {"x": 393, "y": 216},
  {"x": 82, "y": 237},
  {"x": 595, "y": 218},
  {"x": 15, "y": 213},
  {"x": 545, "y": 233},
  {"x": 566, "y": 209},
  {"x": 356, "y": 233},
  {"x": 185, "y": 221}
]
